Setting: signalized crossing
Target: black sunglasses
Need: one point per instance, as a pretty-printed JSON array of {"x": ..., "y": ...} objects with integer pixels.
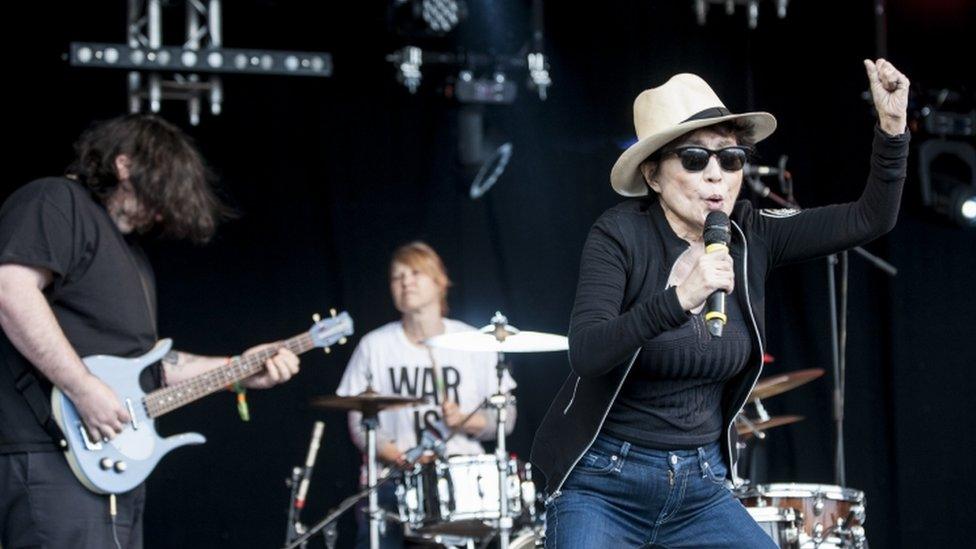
[{"x": 695, "y": 159}]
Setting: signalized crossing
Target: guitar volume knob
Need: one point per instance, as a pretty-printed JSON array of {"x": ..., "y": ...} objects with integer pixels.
[
  {"x": 105, "y": 464},
  {"x": 120, "y": 466}
]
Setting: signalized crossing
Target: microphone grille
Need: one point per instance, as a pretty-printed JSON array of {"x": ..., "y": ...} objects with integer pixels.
[{"x": 717, "y": 228}]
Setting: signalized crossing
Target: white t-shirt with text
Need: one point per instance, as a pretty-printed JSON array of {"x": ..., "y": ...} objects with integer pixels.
[{"x": 398, "y": 367}]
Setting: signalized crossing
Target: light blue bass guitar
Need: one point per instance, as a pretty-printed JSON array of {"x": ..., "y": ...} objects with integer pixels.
[{"x": 123, "y": 463}]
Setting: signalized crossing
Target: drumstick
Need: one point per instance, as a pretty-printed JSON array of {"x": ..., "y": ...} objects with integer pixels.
[{"x": 438, "y": 377}]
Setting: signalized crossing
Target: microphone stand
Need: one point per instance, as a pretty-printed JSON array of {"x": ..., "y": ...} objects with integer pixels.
[
  {"x": 299, "y": 481},
  {"x": 338, "y": 511},
  {"x": 295, "y": 527},
  {"x": 838, "y": 318}
]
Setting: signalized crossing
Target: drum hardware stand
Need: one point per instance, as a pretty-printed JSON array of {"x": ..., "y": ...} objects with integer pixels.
[
  {"x": 368, "y": 403},
  {"x": 838, "y": 344},
  {"x": 752, "y": 427},
  {"x": 338, "y": 511},
  {"x": 499, "y": 401},
  {"x": 370, "y": 422},
  {"x": 761, "y": 412}
]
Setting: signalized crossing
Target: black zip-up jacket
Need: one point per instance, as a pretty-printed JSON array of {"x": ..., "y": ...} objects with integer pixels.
[{"x": 621, "y": 301}]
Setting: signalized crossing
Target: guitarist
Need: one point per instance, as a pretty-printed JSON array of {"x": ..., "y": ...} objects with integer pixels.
[{"x": 74, "y": 282}]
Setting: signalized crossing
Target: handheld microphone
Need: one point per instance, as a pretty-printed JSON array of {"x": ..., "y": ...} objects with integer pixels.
[
  {"x": 717, "y": 238},
  {"x": 313, "y": 451}
]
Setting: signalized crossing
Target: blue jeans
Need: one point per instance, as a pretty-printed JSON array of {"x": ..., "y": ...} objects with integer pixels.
[{"x": 620, "y": 495}]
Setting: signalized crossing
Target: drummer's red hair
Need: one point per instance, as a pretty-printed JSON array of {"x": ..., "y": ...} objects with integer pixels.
[{"x": 420, "y": 256}]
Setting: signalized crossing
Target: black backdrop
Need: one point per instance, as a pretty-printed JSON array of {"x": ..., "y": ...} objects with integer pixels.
[{"x": 330, "y": 175}]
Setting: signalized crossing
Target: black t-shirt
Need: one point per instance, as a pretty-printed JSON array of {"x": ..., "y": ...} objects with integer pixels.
[{"x": 103, "y": 293}]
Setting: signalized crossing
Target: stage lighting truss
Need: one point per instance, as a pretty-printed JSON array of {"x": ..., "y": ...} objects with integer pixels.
[
  {"x": 210, "y": 61},
  {"x": 752, "y": 9},
  {"x": 472, "y": 77},
  {"x": 193, "y": 70}
]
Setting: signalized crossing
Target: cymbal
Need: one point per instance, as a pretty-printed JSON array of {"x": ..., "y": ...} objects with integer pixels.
[
  {"x": 486, "y": 341},
  {"x": 368, "y": 402},
  {"x": 780, "y": 383},
  {"x": 776, "y": 421}
]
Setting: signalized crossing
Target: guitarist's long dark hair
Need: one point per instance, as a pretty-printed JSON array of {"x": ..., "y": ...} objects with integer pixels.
[{"x": 167, "y": 172}]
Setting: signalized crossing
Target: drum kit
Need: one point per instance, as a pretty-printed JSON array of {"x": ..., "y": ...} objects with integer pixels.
[
  {"x": 471, "y": 500},
  {"x": 453, "y": 501},
  {"x": 797, "y": 516}
]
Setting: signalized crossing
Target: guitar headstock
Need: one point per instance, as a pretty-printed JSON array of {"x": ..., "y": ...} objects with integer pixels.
[{"x": 326, "y": 332}]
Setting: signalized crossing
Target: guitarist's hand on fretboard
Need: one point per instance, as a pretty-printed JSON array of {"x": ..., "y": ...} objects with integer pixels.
[{"x": 279, "y": 368}]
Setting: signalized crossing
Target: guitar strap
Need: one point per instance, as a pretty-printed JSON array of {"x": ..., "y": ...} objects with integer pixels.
[{"x": 40, "y": 403}]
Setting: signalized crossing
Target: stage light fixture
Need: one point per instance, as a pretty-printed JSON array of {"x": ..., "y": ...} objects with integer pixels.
[
  {"x": 441, "y": 15},
  {"x": 408, "y": 62},
  {"x": 702, "y": 7},
  {"x": 416, "y": 18},
  {"x": 496, "y": 89},
  {"x": 539, "y": 74},
  {"x": 942, "y": 166},
  {"x": 189, "y": 58}
]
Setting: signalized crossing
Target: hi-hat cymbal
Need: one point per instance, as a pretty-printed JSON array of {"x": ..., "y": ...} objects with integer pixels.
[
  {"x": 780, "y": 383},
  {"x": 485, "y": 341},
  {"x": 745, "y": 430},
  {"x": 368, "y": 402}
]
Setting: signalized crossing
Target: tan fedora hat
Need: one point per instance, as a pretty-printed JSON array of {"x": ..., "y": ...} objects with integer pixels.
[{"x": 680, "y": 105}]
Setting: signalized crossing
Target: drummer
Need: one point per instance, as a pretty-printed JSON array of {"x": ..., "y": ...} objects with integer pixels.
[{"x": 395, "y": 361}]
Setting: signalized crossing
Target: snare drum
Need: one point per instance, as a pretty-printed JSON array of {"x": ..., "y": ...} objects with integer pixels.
[
  {"x": 458, "y": 496},
  {"x": 829, "y": 516}
]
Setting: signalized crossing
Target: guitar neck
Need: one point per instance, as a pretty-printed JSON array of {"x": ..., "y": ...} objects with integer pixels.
[{"x": 175, "y": 396}]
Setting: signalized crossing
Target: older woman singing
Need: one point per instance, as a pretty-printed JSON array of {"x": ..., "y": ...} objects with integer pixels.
[{"x": 638, "y": 447}]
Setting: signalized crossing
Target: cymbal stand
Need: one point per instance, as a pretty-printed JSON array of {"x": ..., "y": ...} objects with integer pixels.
[
  {"x": 370, "y": 422},
  {"x": 761, "y": 413},
  {"x": 499, "y": 401},
  {"x": 751, "y": 426}
]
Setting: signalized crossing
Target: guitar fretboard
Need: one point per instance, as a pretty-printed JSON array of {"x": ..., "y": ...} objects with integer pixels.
[{"x": 170, "y": 398}]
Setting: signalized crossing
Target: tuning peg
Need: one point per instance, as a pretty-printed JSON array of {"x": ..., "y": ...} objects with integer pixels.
[
  {"x": 332, "y": 312},
  {"x": 342, "y": 341},
  {"x": 316, "y": 317},
  {"x": 327, "y": 350}
]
